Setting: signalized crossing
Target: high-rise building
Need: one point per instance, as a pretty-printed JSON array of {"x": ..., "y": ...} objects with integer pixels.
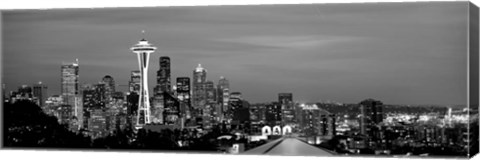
[
  {"x": 143, "y": 50},
  {"x": 211, "y": 95},
  {"x": 109, "y": 86},
  {"x": 132, "y": 108},
  {"x": 89, "y": 103},
  {"x": 273, "y": 115},
  {"x": 40, "y": 91},
  {"x": 257, "y": 117},
  {"x": 97, "y": 123},
  {"x": 288, "y": 108},
  {"x": 134, "y": 83},
  {"x": 172, "y": 109},
  {"x": 315, "y": 121},
  {"x": 100, "y": 95},
  {"x": 70, "y": 82},
  {"x": 183, "y": 95},
  {"x": 223, "y": 84},
  {"x": 157, "y": 108},
  {"x": 371, "y": 114},
  {"x": 163, "y": 76},
  {"x": 223, "y": 96},
  {"x": 199, "y": 95}
]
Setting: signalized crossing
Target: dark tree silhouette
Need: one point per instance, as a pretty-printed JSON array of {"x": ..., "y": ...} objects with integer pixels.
[{"x": 26, "y": 125}]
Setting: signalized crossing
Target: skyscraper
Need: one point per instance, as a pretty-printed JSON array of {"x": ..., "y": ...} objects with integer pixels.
[
  {"x": 143, "y": 50},
  {"x": 40, "y": 91},
  {"x": 223, "y": 94},
  {"x": 89, "y": 103},
  {"x": 109, "y": 86},
  {"x": 273, "y": 114},
  {"x": 163, "y": 76},
  {"x": 288, "y": 108},
  {"x": 134, "y": 83},
  {"x": 371, "y": 114},
  {"x": 211, "y": 95},
  {"x": 69, "y": 82},
  {"x": 199, "y": 92},
  {"x": 183, "y": 95},
  {"x": 172, "y": 109}
]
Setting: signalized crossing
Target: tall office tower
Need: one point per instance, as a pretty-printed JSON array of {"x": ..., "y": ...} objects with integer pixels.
[
  {"x": 211, "y": 95},
  {"x": 143, "y": 50},
  {"x": 273, "y": 115},
  {"x": 223, "y": 94},
  {"x": 70, "y": 82},
  {"x": 371, "y": 114},
  {"x": 157, "y": 108},
  {"x": 257, "y": 117},
  {"x": 222, "y": 84},
  {"x": 109, "y": 86},
  {"x": 163, "y": 86},
  {"x": 239, "y": 111},
  {"x": 327, "y": 124},
  {"x": 40, "y": 91},
  {"x": 163, "y": 76},
  {"x": 100, "y": 95},
  {"x": 89, "y": 103},
  {"x": 172, "y": 109},
  {"x": 225, "y": 105},
  {"x": 183, "y": 95},
  {"x": 310, "y": 120},
  {"x": 288, "y": 108},
  {"x": 134, "y": 83},
  {"x": 199, "y": 93},
  {"x": 209, "y": 108},
  {"x": 235, "y": 102},
  {"x": 132, "y": 108}
]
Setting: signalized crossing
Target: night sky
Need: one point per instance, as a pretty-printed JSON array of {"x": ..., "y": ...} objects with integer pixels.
[{"x": 399, "y": 53}]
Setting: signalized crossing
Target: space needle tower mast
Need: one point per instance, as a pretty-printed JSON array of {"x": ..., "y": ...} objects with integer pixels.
[{"x": 143, "y": 50}]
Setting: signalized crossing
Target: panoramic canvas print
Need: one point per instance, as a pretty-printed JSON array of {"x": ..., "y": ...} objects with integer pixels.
[{"x": 359, "y": 79}]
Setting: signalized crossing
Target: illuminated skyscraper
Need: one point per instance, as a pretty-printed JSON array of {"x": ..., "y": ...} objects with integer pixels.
[
  {"x": 210, "y": 89},
  {"x": 143, "y": 50},
  {"x": 70, "y": 82},
  {"x": 371, "y": 114},
  {"x": 163, "y": 76},
  {"x": 109, "y": 86},
  {"x": 183, "y": 95},
  {"x": 199, "y": 92},
  {"x": 223, "y": 94},
  {"x": 288, "y": 108},
  {"x": 40, "y": 91},
  {"x": 172, "y": 109},
  {"x": 134, "y": 83}
]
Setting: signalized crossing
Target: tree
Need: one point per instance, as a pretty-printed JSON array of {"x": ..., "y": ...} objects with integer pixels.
[{"x": 26, "y": 125}]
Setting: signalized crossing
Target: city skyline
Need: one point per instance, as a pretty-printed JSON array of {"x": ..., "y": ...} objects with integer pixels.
[{"x": 313, "y": 51}]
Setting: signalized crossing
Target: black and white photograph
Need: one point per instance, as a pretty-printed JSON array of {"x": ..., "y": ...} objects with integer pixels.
[{"x": 385, "y": 79}]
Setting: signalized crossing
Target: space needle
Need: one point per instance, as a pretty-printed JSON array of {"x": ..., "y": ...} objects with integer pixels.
[{"x": 143, "y": 50}]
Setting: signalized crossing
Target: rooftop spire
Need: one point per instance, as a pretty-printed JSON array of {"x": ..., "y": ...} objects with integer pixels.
[
  {"x": 199, "y": 68},
  {"x": 143, "y": 35}
]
